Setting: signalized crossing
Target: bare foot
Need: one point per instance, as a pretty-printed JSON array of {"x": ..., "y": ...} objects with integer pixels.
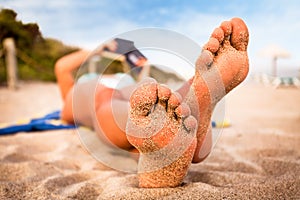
[
  {"x": 222, "y": 66},
  {"x": 164, "y": 132},
  {"x": 162, "y": 128}
]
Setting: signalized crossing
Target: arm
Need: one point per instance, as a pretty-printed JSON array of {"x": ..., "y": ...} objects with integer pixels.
[
  {"x": 145, "y": 72},
  {"x": 65, "y": 66}
]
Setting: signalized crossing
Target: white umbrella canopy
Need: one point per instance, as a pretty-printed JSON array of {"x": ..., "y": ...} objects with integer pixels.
[{"x": 274, "y": 51}]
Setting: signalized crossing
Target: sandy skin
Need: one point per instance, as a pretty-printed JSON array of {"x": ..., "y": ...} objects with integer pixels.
[
  {"x": 164, "y": 132},
  {"x": 186, "y": 116}
]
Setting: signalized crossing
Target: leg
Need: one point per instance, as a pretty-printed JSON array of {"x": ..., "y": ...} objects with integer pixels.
[
  {"x": 111, "y": 116},
  {"x": 112, "y": 125},
  {"x": 67, "y": 109},
  {"x": 64, "y": 69},
  {"x": 104, "y": 109}
]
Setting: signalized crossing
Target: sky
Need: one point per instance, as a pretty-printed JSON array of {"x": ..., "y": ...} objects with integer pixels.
[{"x": 88, "y": 23}]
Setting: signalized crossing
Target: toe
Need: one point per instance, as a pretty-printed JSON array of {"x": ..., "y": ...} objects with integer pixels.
[
  {"x": 174, "y": 100},
  {"x": 183, "y": 110},
  {"x": 240, "y": 35},
  {"x": 227, "y": 28},
  {"x": 212, "y": 45},
  {"x": 218, "y": 34},
  {"x": 190, "y": 124},
  {"x": 163, "y": 92},
  {"x": 143, "y": 98}
]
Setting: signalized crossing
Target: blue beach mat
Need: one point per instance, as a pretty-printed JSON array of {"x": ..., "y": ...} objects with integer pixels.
[{"x": 50, "y": 121}]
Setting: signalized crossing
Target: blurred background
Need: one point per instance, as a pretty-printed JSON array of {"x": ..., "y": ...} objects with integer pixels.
[{"x": 45, "y": 31}]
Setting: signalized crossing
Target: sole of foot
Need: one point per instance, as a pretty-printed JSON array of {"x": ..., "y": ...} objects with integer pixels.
[
  {"x": 161, "y": 127},
  {"x": 222, "y": 65}
]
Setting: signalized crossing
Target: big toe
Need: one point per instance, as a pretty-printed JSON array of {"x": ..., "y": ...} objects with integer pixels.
[{"x": 240, "y": 35}]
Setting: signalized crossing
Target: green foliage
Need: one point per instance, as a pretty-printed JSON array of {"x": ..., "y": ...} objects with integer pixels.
[{"x": 36, "y": 55}]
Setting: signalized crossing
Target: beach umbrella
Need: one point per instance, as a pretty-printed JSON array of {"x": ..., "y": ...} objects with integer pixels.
[{"x": 274, "y": 51}]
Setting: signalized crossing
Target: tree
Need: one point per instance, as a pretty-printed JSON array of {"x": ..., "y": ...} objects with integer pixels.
[
  {"x": 24, "y": 34},
  {"x": 36, "y": 55}
]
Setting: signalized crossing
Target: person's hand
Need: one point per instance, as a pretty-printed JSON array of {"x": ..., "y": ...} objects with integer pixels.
[{"x": 112, "y": 45}]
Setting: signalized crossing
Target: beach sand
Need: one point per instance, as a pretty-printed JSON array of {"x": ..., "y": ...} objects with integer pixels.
[{"x": 258, "y": 157}]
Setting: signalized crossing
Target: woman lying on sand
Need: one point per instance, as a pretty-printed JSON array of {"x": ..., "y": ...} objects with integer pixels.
[{"x": 186, "y": 113}]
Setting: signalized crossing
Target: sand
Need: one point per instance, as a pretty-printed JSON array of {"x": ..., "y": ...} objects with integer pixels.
[{"x": 258, "y": 157}]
